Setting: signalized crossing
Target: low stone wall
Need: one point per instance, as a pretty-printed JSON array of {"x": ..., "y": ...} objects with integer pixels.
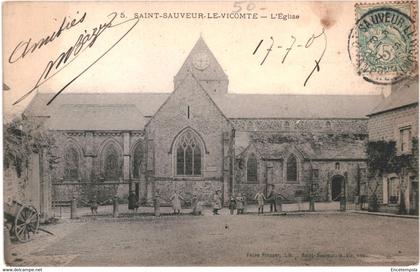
[
  {"x": 250, "y": 190},
  {"x": 85, "y": 191},
  {"x": 204, "y": 189},
  {"x": 388, "y": 208}
]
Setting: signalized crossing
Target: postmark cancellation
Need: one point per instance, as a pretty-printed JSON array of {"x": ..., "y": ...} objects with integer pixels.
[{"x": 383, "y": 43}]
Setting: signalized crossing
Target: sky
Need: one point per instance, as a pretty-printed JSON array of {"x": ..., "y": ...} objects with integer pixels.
[{"x": 147, "y": 58}]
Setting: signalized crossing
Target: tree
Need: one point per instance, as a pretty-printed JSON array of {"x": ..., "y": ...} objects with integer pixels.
[
  {"x": 382, "y": 159},
  {"x": 21, "y": 138},
  {"x": 380, "y": 154}
]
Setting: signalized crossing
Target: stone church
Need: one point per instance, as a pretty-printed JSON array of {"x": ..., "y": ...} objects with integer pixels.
[{"x": 200, "y": 138}]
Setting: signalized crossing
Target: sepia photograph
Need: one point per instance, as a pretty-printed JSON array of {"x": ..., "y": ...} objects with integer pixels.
[{"x": 210, "y": 134}]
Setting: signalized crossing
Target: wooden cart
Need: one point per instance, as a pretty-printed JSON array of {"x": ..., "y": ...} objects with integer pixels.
[{"x": 24, "y": 220}]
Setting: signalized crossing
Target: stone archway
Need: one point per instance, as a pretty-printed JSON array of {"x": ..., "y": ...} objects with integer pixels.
[{"x": 337, "y": 183}]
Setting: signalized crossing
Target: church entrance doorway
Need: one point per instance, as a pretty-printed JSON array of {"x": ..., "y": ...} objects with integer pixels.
[{"x": 336, "y": 187}]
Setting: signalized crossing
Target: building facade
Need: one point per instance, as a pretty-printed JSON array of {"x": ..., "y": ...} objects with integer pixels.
[
  {"x": 201, "y": 138},
  {"x": 396, "y": 120}
]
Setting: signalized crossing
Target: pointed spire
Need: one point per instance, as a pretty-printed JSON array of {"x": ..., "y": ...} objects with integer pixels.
[{"x": 204, "y": 66}]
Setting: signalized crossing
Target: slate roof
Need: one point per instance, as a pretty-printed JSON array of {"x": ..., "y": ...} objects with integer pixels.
[
  {"x": 296, "y": 106},
  {"x": 146, "y": 103},
  {"x": 120, "y": 109},
  {"x": 96, "y": 117},
  {"x": 125, "y": 111},
  {"x": 404, "y": 94}
]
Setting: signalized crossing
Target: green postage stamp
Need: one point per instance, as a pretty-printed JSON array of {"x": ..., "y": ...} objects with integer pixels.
[{"x": 385, "y": 41}]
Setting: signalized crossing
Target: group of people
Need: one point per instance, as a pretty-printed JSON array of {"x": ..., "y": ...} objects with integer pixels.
[
  {"x": 237, "y": 202},
  {"x": 271, "y": 199},
  {"x": 196, "y": 204}
]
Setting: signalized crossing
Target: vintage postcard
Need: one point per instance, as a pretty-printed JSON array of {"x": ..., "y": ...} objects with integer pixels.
[{"x": 234, "y": 133}]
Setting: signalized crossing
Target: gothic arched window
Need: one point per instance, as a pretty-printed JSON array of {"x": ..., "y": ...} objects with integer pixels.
[
  {"x": 71, "y": 164},
  {"x": 112, "y": 167},
  {"x": 291, "y": 168},
  {"x": 188, "y": 154},
  {"x": 137, "y": 160},
  {"x": 251, "y": 168}
]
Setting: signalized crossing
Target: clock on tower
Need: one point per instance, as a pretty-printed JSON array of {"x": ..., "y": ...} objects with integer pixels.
[{"x": 201, "y": 61}]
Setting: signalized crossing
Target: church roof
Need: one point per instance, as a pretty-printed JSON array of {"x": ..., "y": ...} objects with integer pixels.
[
  {"x": 404, "y": 94},
  {"x": 296, "y": 106},
  {"x": 146, "y": 103},
  {"x": 128, "y": 111},
  {"x": 96, "y": 117},
  {"x": 122, "y": 108}
]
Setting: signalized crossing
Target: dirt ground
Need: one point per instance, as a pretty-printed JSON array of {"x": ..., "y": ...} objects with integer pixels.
[{"x": 327, "y": 238}]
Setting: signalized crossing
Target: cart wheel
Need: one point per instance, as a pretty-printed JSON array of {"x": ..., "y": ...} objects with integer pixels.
[{"x": 26, "y": 223}]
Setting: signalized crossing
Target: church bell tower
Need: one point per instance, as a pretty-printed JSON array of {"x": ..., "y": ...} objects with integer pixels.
[{"x": 205, "y": 68}]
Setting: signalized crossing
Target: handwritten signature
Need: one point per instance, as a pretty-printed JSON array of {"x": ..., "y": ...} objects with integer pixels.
[
  {"x": 292, "y": 46},
  {"x": 24, "y": 48},
  {"x": 85, "y": 41}
]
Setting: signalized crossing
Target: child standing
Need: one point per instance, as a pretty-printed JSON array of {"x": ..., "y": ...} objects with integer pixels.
[
  {"x": 94, "y": 205},
  {"x": 176, "y": 202},
  {"x": 217, "y": 202},
  {"x": 232, "y": 204},
  {"x": 260, "y": 201},
  {"x": 240, "y": 203},
  {"x": 196, "y": 205}
]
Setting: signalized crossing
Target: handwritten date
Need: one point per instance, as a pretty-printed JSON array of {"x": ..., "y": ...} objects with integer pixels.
[{"x": 292, "y": 46}]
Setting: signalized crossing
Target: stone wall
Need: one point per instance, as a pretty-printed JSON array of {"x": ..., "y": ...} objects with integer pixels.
[
  {"x": 316, "y": 145},
  {"x": 356, "y": 176},
  {"x": 269, "y": 171},
  {"x": 385, "y": 126},
  {"x": 204, "y": 189},
  {"x": 189, "y": 108},
  {"x": 330, "y": 126},
  {"x": 85, "y": 191}
]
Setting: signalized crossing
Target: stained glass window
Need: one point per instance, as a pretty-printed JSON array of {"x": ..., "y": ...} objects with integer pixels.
[
  {"x": 291, "y": 168},
  {"x": 188, "y": 155},
  {"x": 251, "y": 168},
  {"x": 112, "y": 166},
  {"x": 71, "y": 167}
]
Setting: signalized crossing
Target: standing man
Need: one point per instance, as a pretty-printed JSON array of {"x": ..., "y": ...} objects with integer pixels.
[
  {"x": 217, "y": 202},
  {"x": 133, "y": 204},
  {"x": 272, "y": 198},
  {"x": 94, "y": 205},
  {"x": 232, "y": 204}
]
